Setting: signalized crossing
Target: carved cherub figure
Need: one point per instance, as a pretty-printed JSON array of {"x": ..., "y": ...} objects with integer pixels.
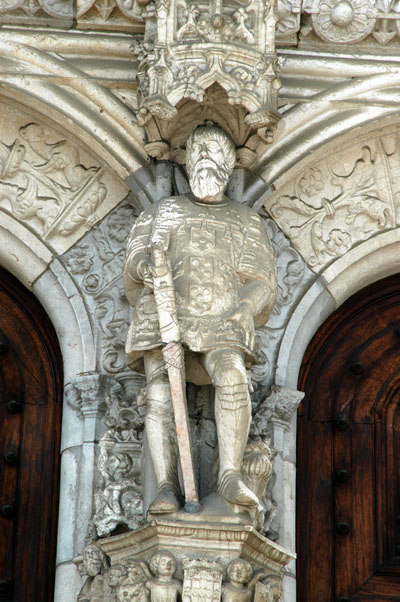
[
  {"x": 238, "y": 588},
  {"x": 163, "y": 587},
  {"x": 115, "y": 575},
  {"x": 95, "y": 561},
  {"x": 133, "y": 586}
]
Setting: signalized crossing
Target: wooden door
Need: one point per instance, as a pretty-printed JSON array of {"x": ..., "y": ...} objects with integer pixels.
[
  {"x": 348, "y": 470},
  {"x": 30, "y": 419}
]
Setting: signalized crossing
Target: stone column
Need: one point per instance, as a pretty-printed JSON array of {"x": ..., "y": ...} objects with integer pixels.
[
  {"x": 82, "y": 428},
  {"x": 282, "y": 404}
]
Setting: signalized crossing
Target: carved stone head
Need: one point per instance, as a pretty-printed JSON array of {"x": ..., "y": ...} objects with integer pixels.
[
  {"x": 210, "y": 159},
  {"x": 163, "y": 563},
  {"x": 239, "y": 571},
  {"x": 95, "y": 559},
  {"x": 115, "y": 575}
]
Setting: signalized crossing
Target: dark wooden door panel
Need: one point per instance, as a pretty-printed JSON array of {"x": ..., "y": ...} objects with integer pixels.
[
  {"x": 348, "y": 492},
  {"x": 30, "y": 375}
]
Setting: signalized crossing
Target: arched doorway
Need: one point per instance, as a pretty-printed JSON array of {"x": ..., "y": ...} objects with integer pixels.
[
  {"x": 348, "y": 450},
  {"x": 30, "y": 423}
]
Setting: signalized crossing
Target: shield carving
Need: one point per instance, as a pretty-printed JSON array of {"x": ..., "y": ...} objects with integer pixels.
[{"x": 202, "y": 581}]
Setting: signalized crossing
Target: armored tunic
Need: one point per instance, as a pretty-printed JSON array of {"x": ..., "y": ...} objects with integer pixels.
[{"x": 213, "y": 249}]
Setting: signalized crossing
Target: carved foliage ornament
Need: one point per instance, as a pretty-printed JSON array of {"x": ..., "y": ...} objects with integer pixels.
[
  {"x": 44, "y": 184},
  {"x": 330, "y": 207},
  {"x": 118, "y": 498},
  {"x": 96, "y": 265}
]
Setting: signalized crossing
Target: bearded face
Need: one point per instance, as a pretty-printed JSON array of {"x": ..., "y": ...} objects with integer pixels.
[
  {"x": 206, "y": 181},
  {"x": 208, "y": 166}
]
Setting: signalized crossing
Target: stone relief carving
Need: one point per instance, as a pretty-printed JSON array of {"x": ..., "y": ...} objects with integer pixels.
[
  {"x": 118, "y": 15},
  {"x": 249, "y": 76},
  {"x": 153, "y": 580},
  {"x": 163, "y": 587},
  {"x": 117, "y": 456},
  {"x": 196, "y": 302},
  {"x": 344, "y": 21},
  {"x": 330, "y": 207},
  {"x": 88, "y": 392},
  {"x": 23, "y": 10},
  {"x": 96, "y": 264},
  {"x": 118, "y": 499},
  {"x": 47, "y": 184},
  {"x": 95, "y": 564},
  {"x": 293, "y": 278},
  {"x": 271, "y": 427},
  {"x": 188, "y": 49},
  {"x": 201, "y": 575}
]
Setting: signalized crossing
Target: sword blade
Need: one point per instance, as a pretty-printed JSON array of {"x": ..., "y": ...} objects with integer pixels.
[{"x": 174, "y": 359}]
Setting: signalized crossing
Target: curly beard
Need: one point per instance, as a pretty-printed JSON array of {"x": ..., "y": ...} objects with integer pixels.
[{"x": 207, "y": 181}]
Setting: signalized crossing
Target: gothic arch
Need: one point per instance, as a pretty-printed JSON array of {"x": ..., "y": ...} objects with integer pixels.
[
  {"x": 58, "y": 90},
  {"x": 308, "y": 128}
]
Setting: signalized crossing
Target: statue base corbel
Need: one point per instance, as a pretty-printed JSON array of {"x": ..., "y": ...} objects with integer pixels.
[{"x": 203, "y": 552}]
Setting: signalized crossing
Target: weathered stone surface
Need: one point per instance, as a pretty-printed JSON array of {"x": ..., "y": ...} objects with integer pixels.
[
  {"x": 50, "y": 184},
  {"x": 330, "y": 206},
  {"x": 192, "y": 288}
]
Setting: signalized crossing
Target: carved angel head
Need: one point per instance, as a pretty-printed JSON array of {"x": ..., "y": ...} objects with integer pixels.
[{"x": 163, "y": 563}]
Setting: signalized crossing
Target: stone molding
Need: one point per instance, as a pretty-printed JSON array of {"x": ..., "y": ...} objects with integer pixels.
[
  {"x": 312, "y": 22},
  {"x": 226, "y": 540},
  {"x": 56, "y": 89}
]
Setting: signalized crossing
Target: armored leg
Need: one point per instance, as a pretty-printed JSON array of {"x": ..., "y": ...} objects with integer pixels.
[
  {"x": 161, "y": 436},
  {"x": 232, "y": 415}
]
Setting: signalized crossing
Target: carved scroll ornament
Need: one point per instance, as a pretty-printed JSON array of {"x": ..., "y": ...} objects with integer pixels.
[
  {"x": 331, "y": 206},
  {"x": 44, "y": 183}
]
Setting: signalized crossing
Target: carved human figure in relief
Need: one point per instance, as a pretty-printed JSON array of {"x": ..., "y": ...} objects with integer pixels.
[
  {"x": 163, "y": 587},
  {"x": 115, "y": 575},
  {"x": 133, "y": 585},
  {"x": 224, "y": 277},
  {"x": 95, "y": 562},
  {"x": 239, "y": 573}
]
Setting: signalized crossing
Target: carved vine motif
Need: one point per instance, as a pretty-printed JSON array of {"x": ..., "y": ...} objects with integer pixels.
[
  {"x": 96, "y": 264},
  {"x": 44, "y": 184},
  {"x": 331, "y": 207}
]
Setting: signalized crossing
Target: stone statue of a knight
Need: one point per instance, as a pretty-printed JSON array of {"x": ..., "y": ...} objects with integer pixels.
[{"x": 224, "y": 278}]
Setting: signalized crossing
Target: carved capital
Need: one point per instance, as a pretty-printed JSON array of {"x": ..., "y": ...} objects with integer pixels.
[
  {"x": 283, "y": 402},
  {"x": 277, "y": 408},
  {"x": 87, "y": 393}
]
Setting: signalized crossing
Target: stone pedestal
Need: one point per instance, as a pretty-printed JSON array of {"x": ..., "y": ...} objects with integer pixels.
[
  {"x": 202, "y": 561},
  {"x": 191, "y": 539}
]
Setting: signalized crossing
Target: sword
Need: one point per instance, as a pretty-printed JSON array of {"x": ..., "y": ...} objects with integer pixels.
[{"x": 173, "y": 354}]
